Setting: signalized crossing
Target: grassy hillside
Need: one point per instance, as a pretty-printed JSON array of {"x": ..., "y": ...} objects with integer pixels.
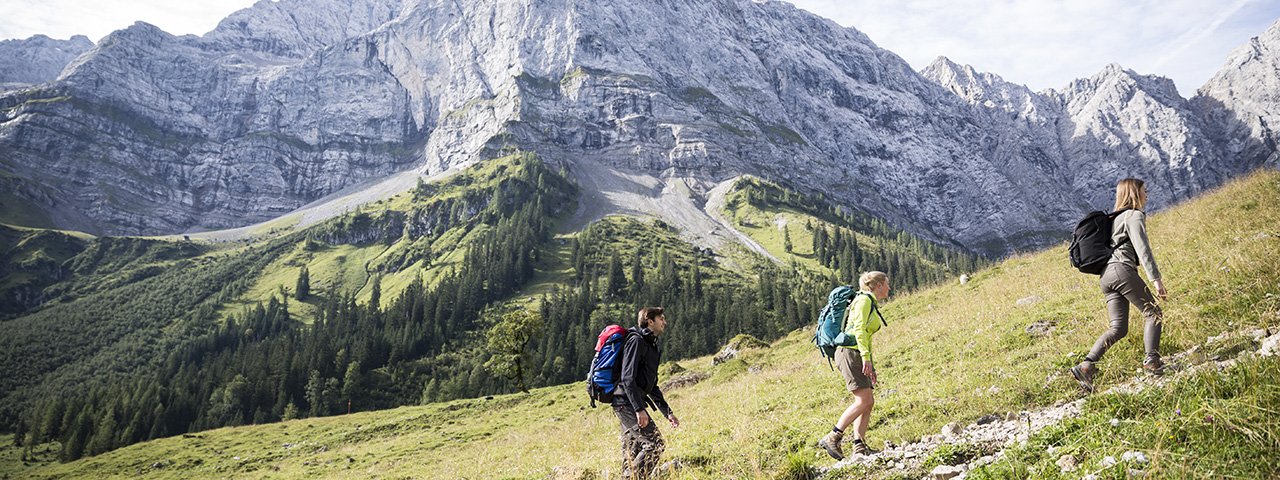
[
  {"x": 812, "y": 235},
  {"x": 951, "y": 353}
]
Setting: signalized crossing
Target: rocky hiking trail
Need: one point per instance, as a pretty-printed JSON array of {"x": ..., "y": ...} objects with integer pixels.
[{"x": 996, "y": 432}]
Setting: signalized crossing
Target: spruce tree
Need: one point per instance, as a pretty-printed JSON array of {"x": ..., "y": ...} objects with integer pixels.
[
  {"x": 637, "y": 275},
  {"x": 375, "y": 295},
  {"x": 303, "y": 289},
  {"x": 616, "y": 279}
]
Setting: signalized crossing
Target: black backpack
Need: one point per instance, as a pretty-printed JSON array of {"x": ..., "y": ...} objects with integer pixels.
[{"x": 1091, "y": 247}]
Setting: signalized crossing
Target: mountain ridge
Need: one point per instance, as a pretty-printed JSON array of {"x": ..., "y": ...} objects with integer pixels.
[{"x": 250, "y": 130}]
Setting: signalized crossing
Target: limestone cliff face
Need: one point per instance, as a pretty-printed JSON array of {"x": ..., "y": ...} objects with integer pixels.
[
  {"x": 37, "y": 59},
  {"x": 1091, "y": 133},
  {"x": 286, "y": 102},
  {"x": 1241, "y": 104}
]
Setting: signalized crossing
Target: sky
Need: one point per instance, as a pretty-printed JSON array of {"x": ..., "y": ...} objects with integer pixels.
[
  {"x": 1038, "y": 43},
  {"x": 1046, "y": 44}
]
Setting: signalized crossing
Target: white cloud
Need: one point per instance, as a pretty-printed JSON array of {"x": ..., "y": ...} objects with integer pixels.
[
  {"x": 1046, "y": 44},
  {"x": 97, "y": 18}
]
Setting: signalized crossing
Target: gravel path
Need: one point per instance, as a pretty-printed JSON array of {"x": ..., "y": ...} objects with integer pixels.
[{"x": 1000, "y": 431}]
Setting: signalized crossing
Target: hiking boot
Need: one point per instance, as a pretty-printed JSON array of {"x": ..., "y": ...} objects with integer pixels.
[
  {"x": 1153, "y": 366},
  {"x": 831, "y": 443},
  {"x": 1084, "y": 373},
  {"x": 860, "y": 447}
]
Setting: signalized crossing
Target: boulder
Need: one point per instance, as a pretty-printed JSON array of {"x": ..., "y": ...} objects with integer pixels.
[
  {"x": 1067, "y": 463},
  {"x": 952, "y": 429},
  {"x": 944, "y": 472},
  {"x": 1270, "y": 346}
]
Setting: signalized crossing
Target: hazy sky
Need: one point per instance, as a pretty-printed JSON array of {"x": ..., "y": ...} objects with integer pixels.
[
  {"x": 1040, "y": 43},
  {"x": 1046, "y": 44}
]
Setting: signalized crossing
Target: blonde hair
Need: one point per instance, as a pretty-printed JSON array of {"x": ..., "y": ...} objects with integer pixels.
[
  {"x": 1130, "y": 193},
  {"x": 871, "y": 280}
]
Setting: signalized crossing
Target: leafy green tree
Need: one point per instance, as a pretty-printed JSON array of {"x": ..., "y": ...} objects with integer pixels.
[{"x": 507, "y": 341}]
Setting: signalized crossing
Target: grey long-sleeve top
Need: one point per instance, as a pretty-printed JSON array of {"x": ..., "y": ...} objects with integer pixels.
[{"x": 1132, "y": 224}]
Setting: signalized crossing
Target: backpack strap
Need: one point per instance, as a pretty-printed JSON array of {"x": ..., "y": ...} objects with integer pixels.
[
  {"x": 874, "y": 309},
  {"x": 1113, "y": 216}
]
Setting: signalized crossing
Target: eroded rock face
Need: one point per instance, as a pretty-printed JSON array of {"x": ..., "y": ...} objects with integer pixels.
[
  {"x": 1241, "y": 103},
  {"x": 37, "y": 59},
  {"x": 286, "y": 102}
]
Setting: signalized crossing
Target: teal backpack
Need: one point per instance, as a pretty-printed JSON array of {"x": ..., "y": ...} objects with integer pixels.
[{"x": 830, "y": 332}]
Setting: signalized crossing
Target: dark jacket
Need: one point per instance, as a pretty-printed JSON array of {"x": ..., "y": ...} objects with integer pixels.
[{"x": 640, "y": 359}]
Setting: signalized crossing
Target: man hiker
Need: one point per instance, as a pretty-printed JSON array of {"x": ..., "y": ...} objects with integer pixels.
[{"x": 637, "y": 389}]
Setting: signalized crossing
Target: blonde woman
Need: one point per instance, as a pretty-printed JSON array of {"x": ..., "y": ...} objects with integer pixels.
[
  {"x": 855, "y": 364},
  {"x": 1122, "y": 286}
]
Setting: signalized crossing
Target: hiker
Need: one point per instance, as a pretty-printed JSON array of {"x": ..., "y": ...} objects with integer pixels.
[
  {"x": 855, "y": 364},
  {"x": 637, "y": 388},
  {"x": 1122, "y": 286}
]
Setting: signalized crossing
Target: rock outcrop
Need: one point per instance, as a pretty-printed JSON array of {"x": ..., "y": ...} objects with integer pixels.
[{"x": 37, "y": 59}]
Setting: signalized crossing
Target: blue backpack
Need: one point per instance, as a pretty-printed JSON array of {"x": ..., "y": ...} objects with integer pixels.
[
  {"x": 830, "y": 332},
  {"x": 605, "y": 366}
]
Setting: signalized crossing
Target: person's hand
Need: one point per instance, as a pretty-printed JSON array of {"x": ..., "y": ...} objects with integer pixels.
[
  {"x": 675, "y": 422},
  {"x": 1160, "y": 291},
  {"x": 642, "y": 419},
  {"x": 870, "y": 371}
]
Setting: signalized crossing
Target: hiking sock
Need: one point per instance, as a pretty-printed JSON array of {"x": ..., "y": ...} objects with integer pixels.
[
  {"x": 858, "y": 440},
  {"x": 836, "y": 428}
]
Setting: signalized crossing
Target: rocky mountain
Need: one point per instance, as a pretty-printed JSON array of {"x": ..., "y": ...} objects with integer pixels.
[
  {"x": 286, "y": 102},
  {"x": 1114, "y": 124},
  {"x": 37, "y": 59},
  {"x": 1242, "y": 102}
]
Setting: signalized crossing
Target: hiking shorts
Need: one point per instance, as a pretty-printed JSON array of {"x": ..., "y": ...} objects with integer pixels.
[{"x": 849, "y": 362}]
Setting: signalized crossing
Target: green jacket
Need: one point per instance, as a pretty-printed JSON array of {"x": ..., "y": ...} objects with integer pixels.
[{"x": 859, "y": 323}]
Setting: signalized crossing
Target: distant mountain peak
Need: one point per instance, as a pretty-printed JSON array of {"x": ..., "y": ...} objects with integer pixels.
[
  {"x": 290, "y": 101},
  {"x": 37, "y": 59}
]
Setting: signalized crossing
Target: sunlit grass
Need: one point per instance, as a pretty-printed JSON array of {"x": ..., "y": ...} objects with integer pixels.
[{"x": 951, "y": 353}]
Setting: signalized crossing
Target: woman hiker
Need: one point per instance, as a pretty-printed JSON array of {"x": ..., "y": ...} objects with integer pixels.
[
  {"x": 855, "y": 364},
  {"x": 1122, "y": 286}
]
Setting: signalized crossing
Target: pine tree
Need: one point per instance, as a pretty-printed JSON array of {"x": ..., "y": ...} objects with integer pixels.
[
  {"x": 786, "y": 238},
  {"x": 375, "y": 295},
  {"x": 303, "y": 289},
  {"x": 315, "y": 394},
  {"x": 637, "y": 275},
  {"x": 353, "y": 384},
  {"x": 616, "y": 279}
]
